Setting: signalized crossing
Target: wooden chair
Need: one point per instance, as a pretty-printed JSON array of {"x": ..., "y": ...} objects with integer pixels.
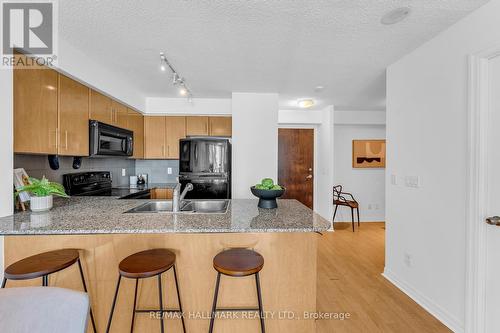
[{"x": 341, "y": 198}]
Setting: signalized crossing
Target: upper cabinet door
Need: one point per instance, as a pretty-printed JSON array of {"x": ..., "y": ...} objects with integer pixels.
[
  {"x": 73, "y": 117},
  {"x": 175, "y": 129},
  {"x": 196, "y": 126},
  {"x": 120, "y": 114},
  {"x": 221, "y": 126},
  {"x": 154, "y": 137},
  {"x": 35, "y": 110},
  {"x": 135, "y": 123},
  {"x": 100, "y": 107}
]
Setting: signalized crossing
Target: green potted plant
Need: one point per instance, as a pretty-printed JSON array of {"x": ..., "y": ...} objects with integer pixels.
[{"x": 41, "y": 193}]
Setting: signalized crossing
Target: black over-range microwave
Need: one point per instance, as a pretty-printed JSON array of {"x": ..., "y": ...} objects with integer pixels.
[{"x": 107, "y": 140}]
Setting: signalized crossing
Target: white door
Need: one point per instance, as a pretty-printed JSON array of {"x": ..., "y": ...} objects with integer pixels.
[{"x": 492, "y": 323}]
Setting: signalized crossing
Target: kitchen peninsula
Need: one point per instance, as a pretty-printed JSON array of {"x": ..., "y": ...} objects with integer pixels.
[{"x": 286, "y": 237}]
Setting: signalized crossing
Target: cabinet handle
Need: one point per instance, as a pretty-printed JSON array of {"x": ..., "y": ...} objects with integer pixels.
[
  {"x": 162, "y": 150},
  {"x": 66, "y": 139},
  {"x": 56, "y": 139},
  {"x": 168, "y": 150}
]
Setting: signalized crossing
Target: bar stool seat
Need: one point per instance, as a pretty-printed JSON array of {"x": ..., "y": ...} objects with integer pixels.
[
  {"x": 41, "y": 264},
  {"x": 238, "y": 262},
  {"x": 147, "y": 263}
]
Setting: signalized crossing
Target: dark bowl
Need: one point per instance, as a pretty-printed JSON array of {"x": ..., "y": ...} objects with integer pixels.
[{"x": 267, "y": 198}]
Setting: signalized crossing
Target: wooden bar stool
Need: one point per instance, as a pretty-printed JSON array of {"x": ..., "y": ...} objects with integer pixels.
[
  {"x": 142, "y": 265},
  {"x": 42, "y": 265},
  {"x": 238, "y": 262}
]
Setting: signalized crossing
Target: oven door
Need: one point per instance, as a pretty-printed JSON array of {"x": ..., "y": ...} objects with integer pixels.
[{"x": 107, "y": 140}]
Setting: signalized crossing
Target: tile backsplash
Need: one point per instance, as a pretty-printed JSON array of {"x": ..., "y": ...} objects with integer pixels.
[
  {"x": 158, "y": 170},
  {"x": 38, "y": 166}
]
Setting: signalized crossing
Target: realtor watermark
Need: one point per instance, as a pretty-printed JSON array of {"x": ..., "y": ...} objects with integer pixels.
[
  {"x": 29, "y": 27},
  {"x": 278, "y": 315}
]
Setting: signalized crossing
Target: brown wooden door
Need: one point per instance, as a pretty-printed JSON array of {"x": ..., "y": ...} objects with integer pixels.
[
  {"x": 175, "y": 130},
  {"x": 296, "y": 164},
  {"x": 100, "y": 107},
  {"x": 35, "y": 110},
  {"x": 73, "y": 117},
  {"x": 154, "y": 137},
  {"x": 220, "y": 126},
  {"x": 135, "y": 123},
  {"x": 196, "y": 125}
]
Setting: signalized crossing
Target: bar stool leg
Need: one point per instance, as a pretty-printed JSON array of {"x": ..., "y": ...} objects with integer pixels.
[
  {"x": 85, "y": 289},
  {"x": 259, "y": 297},
  {"x": 214, "y": 305},
  {"x": 135, "y": 302},
  {"x": 114, "y": 303},
  {"x": 161, "y": 302},
  {"x": 179, "y": 300},
  {"x": 4, "y": 282},
  {"x": 335, "y": 213},
  {"x": 352, "y": 218}
]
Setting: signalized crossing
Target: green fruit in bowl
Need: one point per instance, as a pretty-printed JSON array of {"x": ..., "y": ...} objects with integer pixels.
[
  {"x": 267, "y": 183},
  {"x": 277, "y": 187}
]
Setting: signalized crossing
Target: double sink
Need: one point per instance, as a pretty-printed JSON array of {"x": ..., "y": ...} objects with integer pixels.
[{"x": 186, "y": 207}]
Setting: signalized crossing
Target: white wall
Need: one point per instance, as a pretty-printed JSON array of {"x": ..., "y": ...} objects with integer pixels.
[
  {"x": 78, "y": 65},
  {"x": 6, "y": 150},
  {"x": 427, "y": 137},
  {"x": 322, "y": 122},
  {"x": 198, "y": 106},
  {"x": 367, "y": 185},
  {"x": 255, "y": 141},
  {"x": 359, "y": 117}
]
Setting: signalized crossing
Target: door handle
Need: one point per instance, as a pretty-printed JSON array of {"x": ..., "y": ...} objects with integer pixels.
[
  {"x": 493, "y": 220},
  {"x": 309, "y": 177}
]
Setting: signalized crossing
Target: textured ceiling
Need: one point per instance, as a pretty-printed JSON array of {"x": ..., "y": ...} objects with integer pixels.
[{"x": 283, "y": 46}]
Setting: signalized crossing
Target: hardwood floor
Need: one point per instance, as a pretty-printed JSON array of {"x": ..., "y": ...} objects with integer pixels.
[{"x": 350, "y": 281}]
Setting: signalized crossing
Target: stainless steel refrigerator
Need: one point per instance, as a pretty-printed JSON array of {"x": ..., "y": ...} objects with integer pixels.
[{"x": 205, "y": 162}]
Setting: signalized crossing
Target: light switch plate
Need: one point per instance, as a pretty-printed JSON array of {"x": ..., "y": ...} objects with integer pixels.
[
  {"x": 394, "y": 180},
  {"x": 412, "y": 181}
]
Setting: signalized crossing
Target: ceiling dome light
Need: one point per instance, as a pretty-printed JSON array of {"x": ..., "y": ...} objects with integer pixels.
[
  {"x": 305, "y": 103},
  {"x": 395, "y": 15},
  {"x": 319, "y": 88}
]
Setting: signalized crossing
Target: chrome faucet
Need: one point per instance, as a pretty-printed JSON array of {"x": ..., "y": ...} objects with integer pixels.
[{"x": 179, "y": 197}]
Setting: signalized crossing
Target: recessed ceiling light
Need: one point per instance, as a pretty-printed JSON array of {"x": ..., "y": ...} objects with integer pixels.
[
  {"x": 395, "y": 15},
  {"x": 319, "y": 88},
  {"x": 305, "y": 103}
]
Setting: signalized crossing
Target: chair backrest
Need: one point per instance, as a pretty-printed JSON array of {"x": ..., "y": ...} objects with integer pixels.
[
  {"x": 43, "y": 310},
  {"x": 337, "y": 192}
]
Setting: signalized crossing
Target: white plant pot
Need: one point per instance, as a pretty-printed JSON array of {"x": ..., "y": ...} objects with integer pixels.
[{"x": 41, "y": 204}]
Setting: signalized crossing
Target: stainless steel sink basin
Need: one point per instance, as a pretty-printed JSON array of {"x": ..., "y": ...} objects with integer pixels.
[
  {"x": 187, "y": 207},
  {"x": 205, "y": 206}
]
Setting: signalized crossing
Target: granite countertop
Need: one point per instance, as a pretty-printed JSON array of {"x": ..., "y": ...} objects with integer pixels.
[{"x": 104, "y": 215}]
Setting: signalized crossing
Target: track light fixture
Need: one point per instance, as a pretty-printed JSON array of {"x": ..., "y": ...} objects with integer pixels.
[{"x": 177, "y": 80}]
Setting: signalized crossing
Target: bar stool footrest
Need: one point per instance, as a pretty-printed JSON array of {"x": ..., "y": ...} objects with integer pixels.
[
  {"x": 236, "y": 309},
  {"x": 158, "y": 310}
]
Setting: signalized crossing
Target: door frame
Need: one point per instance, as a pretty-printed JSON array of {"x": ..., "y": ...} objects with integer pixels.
[
  {"x": 477, "y": 188},
  {"x": 315, "y": 156}
]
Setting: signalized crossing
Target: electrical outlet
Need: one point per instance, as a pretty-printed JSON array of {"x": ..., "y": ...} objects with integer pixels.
[
  {"x": 124, "y": 172},
  {"x": 408, "y": 259},
  {"x": 169, "y": 171},
  {"x": 412, "y": 181},
  {"x": 370, "y": 207}
]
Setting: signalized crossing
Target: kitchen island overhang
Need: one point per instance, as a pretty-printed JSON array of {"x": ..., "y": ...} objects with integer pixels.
[{"x": 286, "y": 237}]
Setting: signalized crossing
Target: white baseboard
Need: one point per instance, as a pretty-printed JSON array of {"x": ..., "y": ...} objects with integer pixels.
[{"x": 430, "y": 306}]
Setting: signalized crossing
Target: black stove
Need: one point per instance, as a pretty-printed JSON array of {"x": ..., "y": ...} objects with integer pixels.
[{"x": 99, "y": 183}]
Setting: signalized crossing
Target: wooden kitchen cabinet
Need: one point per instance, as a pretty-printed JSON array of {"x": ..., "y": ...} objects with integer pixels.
[
  {"x": 162, "y": 193},
  {"x": 135, "y": 123},
  {"x": 220, "y": 126},
  {"x": 35, "y": 110},
  {"x": 197, "y": 125},
  {"x": 119, "y": 114},
  {"x": 100, "y": 107},
  {"x": 154, "y": 137},
  {"x": 73, "y": 117},
  {"x": 175, "y": 128}
]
